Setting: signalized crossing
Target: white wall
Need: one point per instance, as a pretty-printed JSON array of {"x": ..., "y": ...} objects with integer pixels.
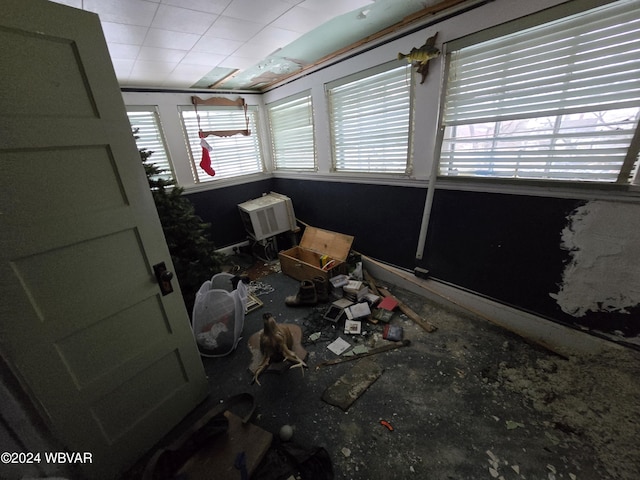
[{"x": 426, "y": 105}]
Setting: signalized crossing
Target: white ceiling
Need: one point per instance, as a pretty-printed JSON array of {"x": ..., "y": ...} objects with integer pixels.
[{"x": 233, "y": 44}]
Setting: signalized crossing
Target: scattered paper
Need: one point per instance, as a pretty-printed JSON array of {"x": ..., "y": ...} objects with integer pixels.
[
  {"x": 339, "y": 346},
  {"x": 314, "y": 336},
  {"x": 360, "y": 349},
  {"x": 343, "y": 303},
  {"x": 358, "y": 310},
  {"x": 512, "y": 425},
  {"x": 555, "y": 440},
  {"x": 492, "y": 456}
]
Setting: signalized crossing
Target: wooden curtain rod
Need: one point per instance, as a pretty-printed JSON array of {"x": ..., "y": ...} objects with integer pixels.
[
  {"x": 225, "y": 133},
  {"x": 218, "y": 102},
  {"x": 224, "y": 102}
]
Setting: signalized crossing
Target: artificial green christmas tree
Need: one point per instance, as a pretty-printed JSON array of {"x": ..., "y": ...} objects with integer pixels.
[{"x": 187, "y": 235}]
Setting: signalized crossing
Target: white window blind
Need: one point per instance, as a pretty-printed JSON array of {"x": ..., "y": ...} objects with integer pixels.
[
  {"x": 231, "y": 156},
  {"x": 150, "y": 137},
  {"x": 370, "y": 122},
  {"x": 292, "y": 135},
  {"x": 558, "y": 101}
]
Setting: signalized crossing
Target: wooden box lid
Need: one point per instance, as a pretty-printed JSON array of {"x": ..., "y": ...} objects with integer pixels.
[{"x": 324, "y": 242}]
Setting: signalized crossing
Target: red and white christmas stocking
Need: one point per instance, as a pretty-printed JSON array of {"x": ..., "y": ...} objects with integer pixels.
[{"x": 205, "y": 163}]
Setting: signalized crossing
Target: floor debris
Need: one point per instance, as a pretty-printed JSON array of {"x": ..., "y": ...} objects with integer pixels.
[
  {"x": 464, "y": 383},
  {"x": 351, "y": 385}
]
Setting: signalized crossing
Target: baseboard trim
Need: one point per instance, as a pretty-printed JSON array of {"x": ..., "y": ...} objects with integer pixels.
[{"x": 555, "y": 337}]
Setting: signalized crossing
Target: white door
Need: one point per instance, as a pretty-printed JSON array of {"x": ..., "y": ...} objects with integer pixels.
[{"x": 109, "y": 362}]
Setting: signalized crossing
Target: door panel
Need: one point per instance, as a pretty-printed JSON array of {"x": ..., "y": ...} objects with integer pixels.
[{"x": 109, "y": 362}]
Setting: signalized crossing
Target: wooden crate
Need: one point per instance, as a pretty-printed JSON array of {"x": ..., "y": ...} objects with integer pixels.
[{"x": 303, "y": 262}]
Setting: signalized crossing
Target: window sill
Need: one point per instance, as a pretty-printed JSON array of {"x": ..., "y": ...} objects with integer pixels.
[
  {"x": 227, "y": 182},
  {"x": 586, "y": 190},
  {"x": 369, "y": 178}
]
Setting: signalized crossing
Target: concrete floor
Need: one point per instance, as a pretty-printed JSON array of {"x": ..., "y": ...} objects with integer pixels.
[{"x": 468, "y": 401}]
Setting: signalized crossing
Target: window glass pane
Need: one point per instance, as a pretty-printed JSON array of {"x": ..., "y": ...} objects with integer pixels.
[
  {"x": 582, "y": 146},
  {"x": 292, "y": 135},
  {"x": 560, "y": 101},
  {"x": 370, "y": 123},
  {"x": 231, "y": 156},
  {"x": 145, "y": 123}
]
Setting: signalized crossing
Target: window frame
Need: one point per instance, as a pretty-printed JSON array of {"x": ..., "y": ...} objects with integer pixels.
[
  {"x": 228, "y": 145},
  {"x": 551, "y": 14},
  {"x": 282, "y": 144},
  {"x": 166, "y": 164},
  {"x": 406, "y": 73}
]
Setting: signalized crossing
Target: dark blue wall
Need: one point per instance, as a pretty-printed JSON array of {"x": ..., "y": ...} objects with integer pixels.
[
  {"x": 220, "y": 208},
  {"x": 385, "y": 220},
  {"x": 504, "y": 247}
]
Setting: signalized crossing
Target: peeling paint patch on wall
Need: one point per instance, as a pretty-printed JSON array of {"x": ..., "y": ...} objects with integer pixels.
[{"x": 603, "y": 239}]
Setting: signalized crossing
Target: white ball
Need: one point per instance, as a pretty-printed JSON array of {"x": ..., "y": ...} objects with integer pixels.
[{"x": 286, "y": 432}]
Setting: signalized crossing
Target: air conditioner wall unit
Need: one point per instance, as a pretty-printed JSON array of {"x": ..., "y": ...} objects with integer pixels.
[{"x": 268, "y": 215}]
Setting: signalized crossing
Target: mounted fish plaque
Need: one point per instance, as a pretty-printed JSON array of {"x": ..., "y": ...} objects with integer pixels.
[{"x": 420, "y": 57}]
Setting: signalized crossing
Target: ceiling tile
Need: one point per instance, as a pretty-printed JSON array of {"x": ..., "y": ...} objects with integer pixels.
[
  {"x": 142, "y": 66},
  {"x": 182, "y": 38},
  {"x": 152, "y": 72},
  {"x": 119, "y": 33},
  {"x": 240, "y": 63},
  {"x": 146, "y": 79},
  {"x": 155, "y": 54},
  {"x": 274, "y": 37},
  {"x": 167, "y": 39},
  {"x": 254, "y": 50},
  {"x": 234, "y": 29},
  {"x": 123, "y": 68},
  {"x": 336, "y": 7},
  {"x": 184, "y": 76},
  {"x": 209, "y": 6},
  {"x": 300, "y": 19},
  {"x": 70, "y": 3},
  {"x": 220, "y": 46},
  {"x": 121, "y": 51},
  {"x": 130, "y": 12},
  {"x": 182, "y": 20},
  {"x": 196, "y": 71},
  {"x": 201, "y": 58},
  {"x": 267, "y": 12}
]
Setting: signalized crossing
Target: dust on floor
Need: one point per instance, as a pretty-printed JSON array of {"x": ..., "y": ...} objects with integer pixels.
[
  {"x": 585, "y": 399},
  {"x": 469, "y": 401}
]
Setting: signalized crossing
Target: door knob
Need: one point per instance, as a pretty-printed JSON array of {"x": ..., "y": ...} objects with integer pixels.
[{"x": 164, "y": 277}]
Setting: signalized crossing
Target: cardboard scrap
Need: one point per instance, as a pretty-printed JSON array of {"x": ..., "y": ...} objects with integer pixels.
[{"x": 349, "y": 387}]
